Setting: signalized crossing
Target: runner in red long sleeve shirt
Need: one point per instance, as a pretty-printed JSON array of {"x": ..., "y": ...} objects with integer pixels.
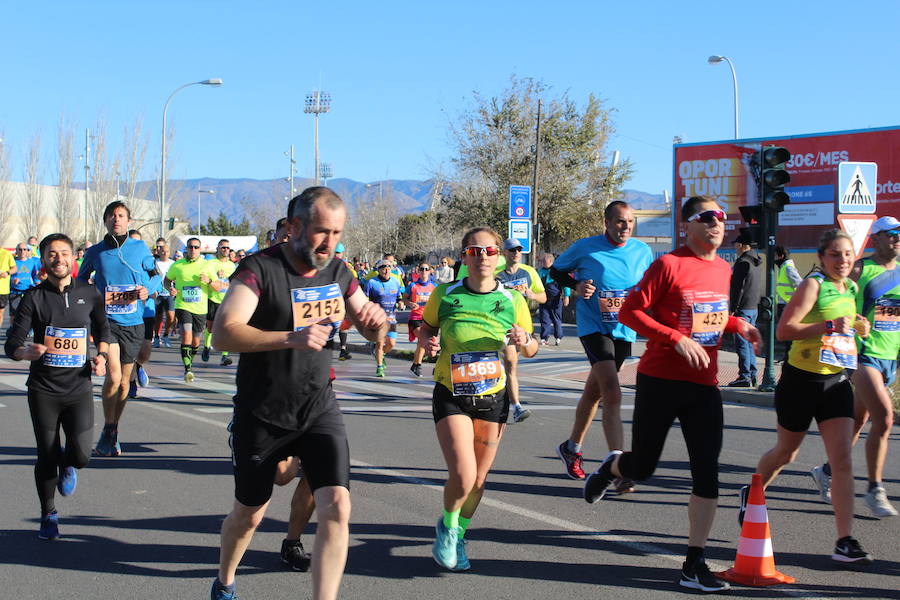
[{"x": 681, "y": 306}]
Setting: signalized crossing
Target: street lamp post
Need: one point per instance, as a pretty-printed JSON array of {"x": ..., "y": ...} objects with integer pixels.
[
  {"x": 380, "y": 210},
  {"x": 292, "y": 170},
  {"x": 162, "y": 170},
  {"x": 199, "y": 194},
  {"x": 317, "y": 103},
  {"x": 717, "y": 59}
]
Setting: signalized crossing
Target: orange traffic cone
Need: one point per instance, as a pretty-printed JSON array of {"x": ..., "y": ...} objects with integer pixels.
[{"x": 755, "y": 563}]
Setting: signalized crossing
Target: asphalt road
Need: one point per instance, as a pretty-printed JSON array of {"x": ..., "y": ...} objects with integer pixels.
[{"x": 145, "y": 525}]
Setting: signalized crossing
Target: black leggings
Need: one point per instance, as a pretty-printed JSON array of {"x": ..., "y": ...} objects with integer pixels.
[
  {"x": 657, "y": 403},
  {"x": 48, "y": 412}
]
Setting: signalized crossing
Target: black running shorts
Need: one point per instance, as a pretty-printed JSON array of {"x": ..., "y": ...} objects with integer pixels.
[
  {"x": 444, "y": 404},
  {"x": 600, "y": 347},
  {"x": 801, "y": 396},
  {"x": 186, "y": 317},
  {"x": 129, "y": 338}
]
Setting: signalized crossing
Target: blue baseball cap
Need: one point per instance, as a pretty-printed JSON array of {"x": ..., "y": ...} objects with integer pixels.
[{"x": 339, "y": 247}]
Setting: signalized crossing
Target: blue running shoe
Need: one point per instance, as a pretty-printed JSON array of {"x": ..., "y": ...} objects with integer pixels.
[
  {"x": 104, "y": 445},
  {"x": 68, "y": 479},
  {"x": 142, "y": 378},
  {"x": 462, "y": 559},
  {"x": 445, "y": 543},
  {"x": 156, "y": 342},
  {"x": 216, "y": 592},
  {"x": 49, "y": 527},
  {"x": 114, "y": 441}
]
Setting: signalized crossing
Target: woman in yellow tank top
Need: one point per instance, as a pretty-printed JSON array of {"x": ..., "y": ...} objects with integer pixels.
[{"x": 821, "y": 321}]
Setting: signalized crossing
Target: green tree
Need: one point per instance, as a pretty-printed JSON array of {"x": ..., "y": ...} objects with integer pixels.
[
  {"x": 494, "y": 144},
  {"x": 221, "y": 225}
]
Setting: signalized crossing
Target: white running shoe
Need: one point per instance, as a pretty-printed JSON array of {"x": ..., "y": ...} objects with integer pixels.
[
  {"x": 823, "y": 483},
  {"x": 876, "y": 500}
]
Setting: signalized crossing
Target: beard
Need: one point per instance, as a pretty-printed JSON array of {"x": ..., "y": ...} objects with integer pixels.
[{"x": 308, "y": 254}]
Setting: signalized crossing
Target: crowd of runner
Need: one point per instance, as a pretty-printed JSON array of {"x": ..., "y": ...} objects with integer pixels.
[{"x": 284, "y": 308}]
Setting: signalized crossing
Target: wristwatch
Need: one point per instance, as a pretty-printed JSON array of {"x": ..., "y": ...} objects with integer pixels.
[{"x": 829, "y": 326}]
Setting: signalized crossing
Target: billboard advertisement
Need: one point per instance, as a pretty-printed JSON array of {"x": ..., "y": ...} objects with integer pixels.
[{"x": 729, "y": 172}]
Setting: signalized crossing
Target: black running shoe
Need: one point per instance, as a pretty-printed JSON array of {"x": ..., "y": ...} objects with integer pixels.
[
  {"x": 292, "y": 554},
  {"x": 416, "y": 370},
  {"x": 847, "y": 550},
  {"x": 742, "y": 508},
  {"x": 698, "y": 577},
  {"x": 344, "y": 355},
  {"x": 596, "y": 483}
]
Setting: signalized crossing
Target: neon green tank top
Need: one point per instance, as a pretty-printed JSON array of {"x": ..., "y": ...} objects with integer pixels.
[
  {"x": 878, "y": 300},
  {"x": 817, "y": 354}
]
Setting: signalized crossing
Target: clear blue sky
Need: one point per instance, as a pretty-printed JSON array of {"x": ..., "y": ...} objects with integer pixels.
[{"x": 399, "y": 70}]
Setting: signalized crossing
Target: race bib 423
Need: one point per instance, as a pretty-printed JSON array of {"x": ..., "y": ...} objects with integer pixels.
[{"x": 709, "y": 320}]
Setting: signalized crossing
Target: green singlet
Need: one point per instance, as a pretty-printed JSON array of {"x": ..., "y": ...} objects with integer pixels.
[
  {"x": 226, "y": 267},
  {"x": 192, "y": 293},
  {"x": 473, "y": 327},
  {"x": 831, "y": 304}
]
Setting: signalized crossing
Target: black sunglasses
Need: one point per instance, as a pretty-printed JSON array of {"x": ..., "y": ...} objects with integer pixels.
[{"x": 194, "y": 247}]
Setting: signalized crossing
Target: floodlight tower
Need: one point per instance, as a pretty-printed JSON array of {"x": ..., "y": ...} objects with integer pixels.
[{"x": 317, "y": 102}]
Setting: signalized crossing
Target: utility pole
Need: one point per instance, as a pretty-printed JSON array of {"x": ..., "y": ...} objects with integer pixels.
[
  {"x": 87, "y": 178},
  {"x": 535, "y": 227}
]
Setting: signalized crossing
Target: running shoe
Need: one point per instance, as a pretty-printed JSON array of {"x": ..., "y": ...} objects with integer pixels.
[
  {"x": 68, "y": 479},
  {"x": 204, "y": 354},
  {"x": 544, "y": 342},
  {"x": 520, "y": 413},
  {"x": 114, "y": 439},
  {"x": 742, "y": 506},
  {"x": 156, "y": 342},
  {"x": 416, "y": 370},
  {"x": 623, "y": 485},
  {"x": 462, "y": 559},
  {"x": 597, "y": 482},
  {"x": 847, "y": 550},
  {"x": 445, "y": 544},
  {"x": 572, "y": 460},
  {"x": 166, "y": 342},
  {"x": 292, "y": 554},
  {"x": 104, "y": 445},
  {"x": 345, "y": 355},
  {"x": 49, "y": 527},
  {"x": 379, "y": 371},
  {"x": 142, "y": 378},
  {"x": 741, "y": 382},
  {"x": 698, "y": 577},
  {"x": 217, "y": 593},
  {"x": 132, "y": 389},
  {"x": 876, "y": 500},
  {"x": 558, "y": 342},
  {"x": 823, "y": 483},
  {"x": 226, "y": 361},
  {"x": 189, "y": 376}
]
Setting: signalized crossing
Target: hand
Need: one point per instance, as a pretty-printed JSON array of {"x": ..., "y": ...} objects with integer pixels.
[
  {"x": 696, "y": 356},
  {"x": 518, "y": 336},
  {"x": 429, "y": 343},
  {"x": 565, "y": 300},
  {"x": 752, "y": 335},
  {"x": 220, "y": 273},
  {"x": 143, "y": 293},
  {"x": 862, "y": 326},
  {"x": 844, "y": 325},
  {"x": 204, "y": 278},
  {"x": 173, "y": 291},
  {"x": 312, "y": 337},
  {"x": 4, "y": 274},
  {"x": 585, "y": 289},
  {"x": 371, "y": 316},
  {"x": 33, "y": 351},
  {"x": 99, "y": 365}
]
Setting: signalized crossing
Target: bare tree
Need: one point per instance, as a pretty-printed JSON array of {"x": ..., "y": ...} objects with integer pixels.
[
  {"x": 103, "y": 181},
  {"x": 7, "y": 192},
  {"x": 66, "y": 210},
  {"x": 134, "y": 151},
  {"x": 31, "y": 199}
]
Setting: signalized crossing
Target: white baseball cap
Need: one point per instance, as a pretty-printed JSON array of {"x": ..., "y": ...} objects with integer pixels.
[{"x": 884, "y": 224}]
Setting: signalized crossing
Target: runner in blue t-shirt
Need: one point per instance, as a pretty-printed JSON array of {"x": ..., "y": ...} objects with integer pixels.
[
  {"x": 121, "y": 268},
  {"x": 384, "y": 290},
  {"x": 28, "y": 272},
  {"x": 602, "y": 269}
]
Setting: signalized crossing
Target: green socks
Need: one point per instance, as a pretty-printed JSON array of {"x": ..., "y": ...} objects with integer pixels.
[
  {"x": 187, "y": 357},
  {"x": 207, "y": 339},
  {"x": 463, "y": 525},
  {"x": 451, "y": 519}
]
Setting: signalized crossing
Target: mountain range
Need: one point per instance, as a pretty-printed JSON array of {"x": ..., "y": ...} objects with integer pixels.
[{"x": 235, "y": 197}]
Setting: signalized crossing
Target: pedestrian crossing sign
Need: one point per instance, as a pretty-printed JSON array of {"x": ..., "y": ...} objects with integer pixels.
[{"x": 856, "y": 186}]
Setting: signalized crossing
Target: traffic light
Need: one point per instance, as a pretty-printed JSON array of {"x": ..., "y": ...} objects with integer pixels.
[
  {"x": 171, "y": 223},
  {"x": 753, "y": 215},
  {"x": 774, "y": 178}
]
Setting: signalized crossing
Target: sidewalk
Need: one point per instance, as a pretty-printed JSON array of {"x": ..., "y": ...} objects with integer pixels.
[{"x": 728, "y": 369}]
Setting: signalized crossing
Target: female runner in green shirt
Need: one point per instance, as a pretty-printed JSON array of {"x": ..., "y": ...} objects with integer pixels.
[
  {"x": 820, "y": 320},
  {"x": 476, "y": 318}
]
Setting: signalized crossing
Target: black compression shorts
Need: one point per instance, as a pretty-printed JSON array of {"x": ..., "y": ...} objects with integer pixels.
[
  {"x": 186, "y": 317},
  {"x": 257, "y": 447}
]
